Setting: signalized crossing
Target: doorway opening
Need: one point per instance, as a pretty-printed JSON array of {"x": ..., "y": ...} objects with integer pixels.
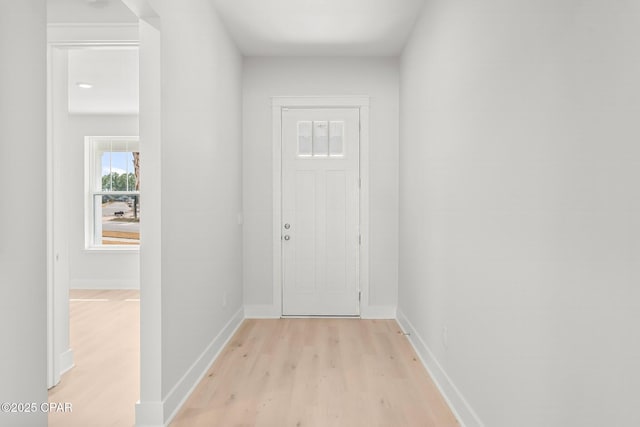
[{"x": 93, "y": 167}]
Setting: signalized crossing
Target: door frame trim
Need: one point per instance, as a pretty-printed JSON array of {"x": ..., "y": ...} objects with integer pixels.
[{"x": 278, "y": 104}]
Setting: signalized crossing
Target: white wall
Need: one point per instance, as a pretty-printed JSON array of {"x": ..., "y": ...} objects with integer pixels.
[
  {"x": 199, "y": 195},
  {"x": 150, "y": 410},
  {"x": 520, "y": 206},
  {"x": 83, "y": 12},
  {"x": 86, "y": 269},
  {"x": 23, "y": 276},
  {"x": 268, "y": 77}
]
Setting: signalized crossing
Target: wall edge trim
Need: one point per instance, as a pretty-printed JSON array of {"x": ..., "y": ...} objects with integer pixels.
[
  {"x": 112, "y": 284},
  {"x": 261, "y": 312},
  {"x": 154, "y": 414},
  {"x": 462, "y": 410},
  {"x": 378, "y": 312},
  {"x": 180, "y": 392},
  {"x": 66, "y": 361}
]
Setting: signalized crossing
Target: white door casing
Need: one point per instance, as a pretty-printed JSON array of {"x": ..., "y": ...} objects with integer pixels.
[{"x": 320, "y": 224}]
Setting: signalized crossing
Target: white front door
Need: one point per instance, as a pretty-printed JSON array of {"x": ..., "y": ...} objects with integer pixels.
[{"x": 320, "y": 211}]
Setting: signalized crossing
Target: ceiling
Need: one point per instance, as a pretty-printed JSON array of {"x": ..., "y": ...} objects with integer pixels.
[
  {"x": 283, "y": 27},
  {"x": 319, "y": 27},
  {"x": 259, "y": 27},
  {"x": 113, "y": 76}
]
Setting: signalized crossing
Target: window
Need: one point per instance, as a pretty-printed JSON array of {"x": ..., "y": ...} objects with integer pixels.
[
  {"x": 112, "y": 192},
  {"x": 320, "y": 139}
]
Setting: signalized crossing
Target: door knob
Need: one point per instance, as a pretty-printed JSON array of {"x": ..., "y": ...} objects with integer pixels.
[
  {"x": 287, "y": 226},
  {"x": 287, "y": 237}
]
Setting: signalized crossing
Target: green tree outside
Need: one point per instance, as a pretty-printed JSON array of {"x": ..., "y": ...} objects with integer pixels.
[{"x": 118, "y": 182}]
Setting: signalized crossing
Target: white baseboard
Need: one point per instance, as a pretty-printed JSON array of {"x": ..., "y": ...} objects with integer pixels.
[
  {"x": 185, "y": 386},
  {"x": 261, "y": 312},
  {"x": 378, "y": 312},
  {"x": 160, "y": 414},
  {"x": 458, "y": 404},
  {"x": 149, "y": 414},
  {"x": 271, "y": 312},
  {"x": 104, "y": 284},
  {"x": 65, "y": 361}
]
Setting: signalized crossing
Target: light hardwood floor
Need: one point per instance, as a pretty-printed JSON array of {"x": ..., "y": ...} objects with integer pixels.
[
  {"x": 316, "y": 372},
  {"x": 103, "y": 387},
  {"x": 287, "y": 372}
]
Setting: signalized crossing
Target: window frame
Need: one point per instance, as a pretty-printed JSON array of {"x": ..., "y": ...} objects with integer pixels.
[{"x": 92, "y": 189}]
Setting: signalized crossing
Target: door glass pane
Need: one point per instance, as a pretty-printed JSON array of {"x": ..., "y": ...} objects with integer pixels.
[
  {"x": 304, "y": 139},
  {"x": 336, "y": 133},
  {"x": 320, "y": 138}
]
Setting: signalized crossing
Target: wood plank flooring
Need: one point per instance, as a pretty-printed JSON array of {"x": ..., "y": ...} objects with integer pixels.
[
  {"x": 316, "y": 372},
  {"x": 104, "y": 384},
  {"x": 286, "y": 372}
]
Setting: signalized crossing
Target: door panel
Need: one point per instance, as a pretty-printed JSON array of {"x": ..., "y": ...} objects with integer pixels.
[
  {"x": 336, "y": 230},
  {"x": 320, "y": 207},
  {"x": 304, "y": 220}
]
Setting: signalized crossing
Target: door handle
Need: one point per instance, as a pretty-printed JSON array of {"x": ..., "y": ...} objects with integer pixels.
[
  {"x": 287, "y": 226},
  {"x": 287, "y": 237}
]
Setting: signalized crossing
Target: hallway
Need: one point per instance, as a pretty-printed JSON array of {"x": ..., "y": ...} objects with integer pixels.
[
  {"x": 498, "y": 212},
  {"x": 316, "y": 372}
]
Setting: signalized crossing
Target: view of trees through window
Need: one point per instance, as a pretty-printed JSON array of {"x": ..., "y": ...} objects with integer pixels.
[{"x": 118, "y": 182}]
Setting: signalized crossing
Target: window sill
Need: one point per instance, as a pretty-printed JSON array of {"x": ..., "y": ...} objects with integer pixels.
[{"x": 113, "y": 250}]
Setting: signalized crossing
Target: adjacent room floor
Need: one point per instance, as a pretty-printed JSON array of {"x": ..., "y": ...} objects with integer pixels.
[
  {"x": 316, "y": 372},
  {"x": 103, "y": 386}
]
